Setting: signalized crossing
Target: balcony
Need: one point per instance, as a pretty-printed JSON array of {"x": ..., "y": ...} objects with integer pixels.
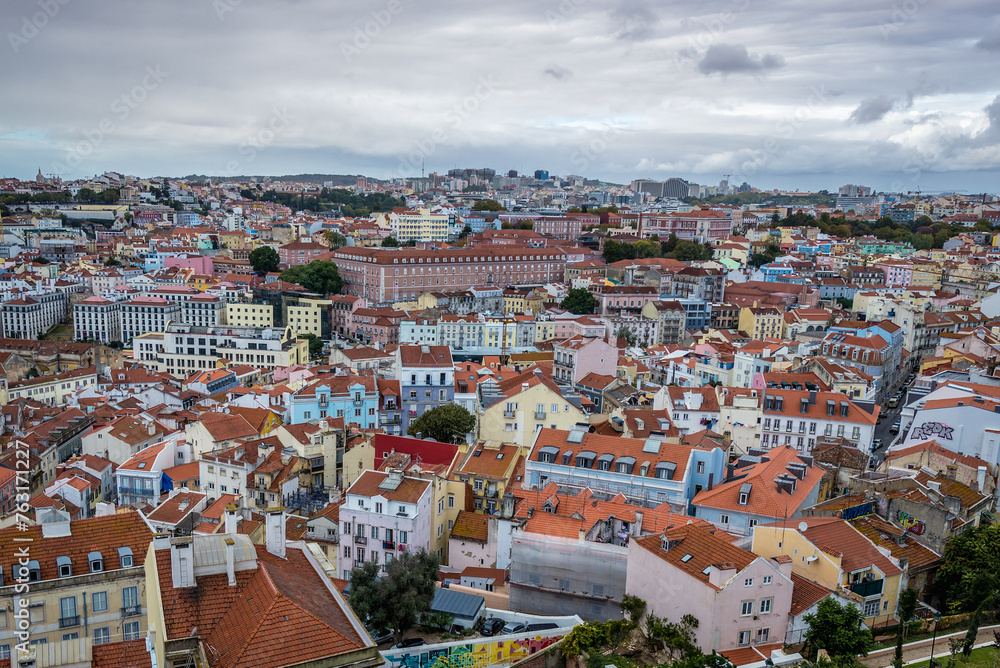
[
  {"x": 869, "y": 588},
  {"x": 508, "y": 413},
  {"x": 360, "y": 540},
  {"x": 67, "y": 622},
  {"x": 131, "y": 611},
  {"x": 388, "y": 545},
  {"x": 539, "y": 415}
]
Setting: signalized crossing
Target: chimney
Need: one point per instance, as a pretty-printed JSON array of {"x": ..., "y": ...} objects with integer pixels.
[
  {"x": 637, "y": 524},
  {"x": 231, "y": 560},
  {"x": 981, "y": 479},
  {"x": 274, "y": 537},
  {"x": 583, "y": 534},
  {"x": 721, "y": 573},
  {"x": 524, "y": 387},
  {"x": 182, "y": 562},
  {"x": 152, "y": 429},
  {"x": 231, "y": 520}
]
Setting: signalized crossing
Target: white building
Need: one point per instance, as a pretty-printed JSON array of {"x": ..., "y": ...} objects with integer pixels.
[
  {"x": 28, "y": 316},
  {"x": 97, "y": 318},
  {"x": 143, "y": 315},
  {"x": 384, "y": 514}
]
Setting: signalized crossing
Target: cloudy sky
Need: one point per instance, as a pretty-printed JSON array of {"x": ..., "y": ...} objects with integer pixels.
[{"x": 896, "y": 94}]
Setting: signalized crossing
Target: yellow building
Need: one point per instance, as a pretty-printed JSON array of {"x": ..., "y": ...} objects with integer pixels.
[
  {"x": 521, "y": 405},
  {"x": 544, "y": 330},
  {"x": 250, "y": 315},
  {"x": 86, "y": 582},
  {"x": 420, "y": 225},
  {"x": 53, "y": 390},
  {"x": 306, "y": 316},
  {"x": 488, "y": 468},
  {"x": 831, "y": 553},
  {"x": 515, "y": 303},
  {"x": 761, "y": 322}
]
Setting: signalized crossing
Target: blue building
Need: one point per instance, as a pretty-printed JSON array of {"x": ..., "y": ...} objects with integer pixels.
[
  {"x": 354, "y": 398},
  {"x": 426, "y": 379}
]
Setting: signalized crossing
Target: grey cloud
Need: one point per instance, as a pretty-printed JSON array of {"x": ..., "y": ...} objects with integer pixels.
[
  {"x": 734, "y": 58},
  {"x": 872, "y": 110},
  {"x": 558, "y": 73},
  {"x": 989, "y": 43},
  {"x": 633, "y": 21}
]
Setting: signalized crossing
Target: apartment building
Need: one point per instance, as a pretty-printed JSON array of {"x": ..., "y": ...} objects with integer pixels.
[
  {"x": 419, "y": 225},
  {"x": 761, "y": 322},
  {"x": 384, "y": 514},
  {"x": 186, "y": 349},
  {"x": 383, "y": 275},
  {"x": 98, "y": 319},
  {"x": 203, "y": 310},
  {"x": 144, "y": 315},
  {"x": 300, "y": 252},
  {"x": 53, "y": 390},
  {"x": 798, "y": 417},
  {"x": 426, "y": 378},
  {"x": 578, "y": 356},
  {"x": 28, "y": 316},
  {"x": 242, "y": 314},
  {"x": 85, "y": 580}
]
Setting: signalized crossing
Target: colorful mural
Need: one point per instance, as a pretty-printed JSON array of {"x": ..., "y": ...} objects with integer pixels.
[
  {"x": 478, "y": 653},
  {"x": 854, "y": 512},
  {"x": 910, "y": 523}
]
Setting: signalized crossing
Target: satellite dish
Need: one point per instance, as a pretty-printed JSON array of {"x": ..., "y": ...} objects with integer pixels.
[{"x": 803, "y": 526}]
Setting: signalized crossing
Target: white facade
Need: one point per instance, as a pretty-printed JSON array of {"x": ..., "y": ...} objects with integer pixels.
[
  {"x": 97, "y": 318},
  {"x": 147, "y": 314}
]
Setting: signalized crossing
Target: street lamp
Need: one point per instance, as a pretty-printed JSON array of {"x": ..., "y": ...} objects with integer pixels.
[{"x": 937, "y": 618}]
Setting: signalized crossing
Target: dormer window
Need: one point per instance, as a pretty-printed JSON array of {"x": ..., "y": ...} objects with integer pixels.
[
  {"x": 65, "y": 567},
  {"x": 125, "y": 557},
  {"x": 96, "y": 562}
]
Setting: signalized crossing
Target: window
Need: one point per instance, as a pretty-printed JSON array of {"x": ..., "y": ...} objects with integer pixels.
[
  {"x": 767, "y": 578},
  {"x": 723, "y": 519},
  {"x": 744, "y": 497},
  {"x": 751, "y": 523},
  {"x": 748, "y": 582},
  {"x": 700, "y": 467},
  {"x": 130, "y": 597},
  {"x": 451, "y": 500},
  {"x": 125, "y": 556},
  {"x": 440, "y": 506},
  {"x": 4, "y": 651},
  {"x": 746, "y": 608},
  {"x": 762, "y": 635},
  {"x": 70, "y": 636},
  {"x": 99, "y": 601},
  {"x": 347, "y": 552},
  {"x": 378, "y": 508},
  {"x": 131, "y": 630},
  {"x": 765, "y": 606},
  {"x": 744, "y": 638},
  {"x": 872, "y": 607},
  {"x": 67, "y": 611},
  {"x": 402, "y": 537}
]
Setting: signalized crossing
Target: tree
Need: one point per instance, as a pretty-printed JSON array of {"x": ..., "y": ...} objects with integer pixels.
[
  {"x": 487, "y": 205},
  {"x": 466, "y": 231},
  {"x": 315, "y": 344},
  {"x": 264, "y": 260},
  {"x": 390, "y": 242},
  {"x": 907, "y": 608},
  {"x": 334, "y": 239},
  {"x": 579, "y": 301},
  {"x": 983, "y": 225},
  {"x": 319, "y": 276},
  {"x": 396, "y": 599},
  {"x": 447, "y": 424},
  {"x": 112, "y": 262},
  {"x": 838, "y": 629},
  {"x": 625, "y": 332},
  {"x": 971, "y": 568}
]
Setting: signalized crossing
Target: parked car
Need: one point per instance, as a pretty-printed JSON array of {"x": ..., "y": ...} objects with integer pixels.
[
  {"x": 411, "y": 642},
  {"x": 492, "y": 626},
  {"x": 542, "y": 626},
  {"x": 380, "y": 635},
  {"x": 513, "y": 627},
  {"x": 876, "y": 444},
  {"x": 893, "y": 402},
  {"x": 894, "y": 429}
]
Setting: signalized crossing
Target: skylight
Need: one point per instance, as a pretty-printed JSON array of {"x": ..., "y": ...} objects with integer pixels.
[{"x": 686, "y": 558}]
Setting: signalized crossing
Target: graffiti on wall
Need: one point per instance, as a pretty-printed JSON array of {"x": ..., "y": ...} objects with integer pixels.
[
  {"x": 910, "y": 523},
  {"x": 855, "y": 512},
  {"x": 474, "y": 654},
  {"x": 932, "y": 429}
]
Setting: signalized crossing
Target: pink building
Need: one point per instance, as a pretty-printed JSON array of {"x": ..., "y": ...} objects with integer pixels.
[
  {"x": 199, "y": 263},
  {"x": 579, "y": 355},
  {"x": 739, "y": 598},
  {"x": 896, "y": 272},
  {"x": 300, "y": 252}
]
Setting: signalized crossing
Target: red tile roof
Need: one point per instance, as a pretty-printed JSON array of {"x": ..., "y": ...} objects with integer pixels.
[{"x": 693, "y": 549}]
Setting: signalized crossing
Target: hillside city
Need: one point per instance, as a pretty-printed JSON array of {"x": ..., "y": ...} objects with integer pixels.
[{"x": 481, "y": 418}]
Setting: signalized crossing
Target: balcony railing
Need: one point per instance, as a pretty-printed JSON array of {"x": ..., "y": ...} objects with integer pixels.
[
  {"x": 866, "y": 589},
  {"x": 388, "y": 545},
  {"x": 131, "y": 611},
  {"x": 66, "y": 622},
  {"x": 539, "y": 415},
  {"x": 360, "y": 540}
]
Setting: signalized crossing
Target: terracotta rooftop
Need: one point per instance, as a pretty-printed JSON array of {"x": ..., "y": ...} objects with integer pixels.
[
  {"x": 471, "y": 526},
  {"x": 693, "y": 550},
  {"x": 409, "y": 490}
]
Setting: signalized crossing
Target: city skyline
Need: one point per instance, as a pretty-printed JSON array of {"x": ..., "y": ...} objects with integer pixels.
[{"x": 901, "y": 96}]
